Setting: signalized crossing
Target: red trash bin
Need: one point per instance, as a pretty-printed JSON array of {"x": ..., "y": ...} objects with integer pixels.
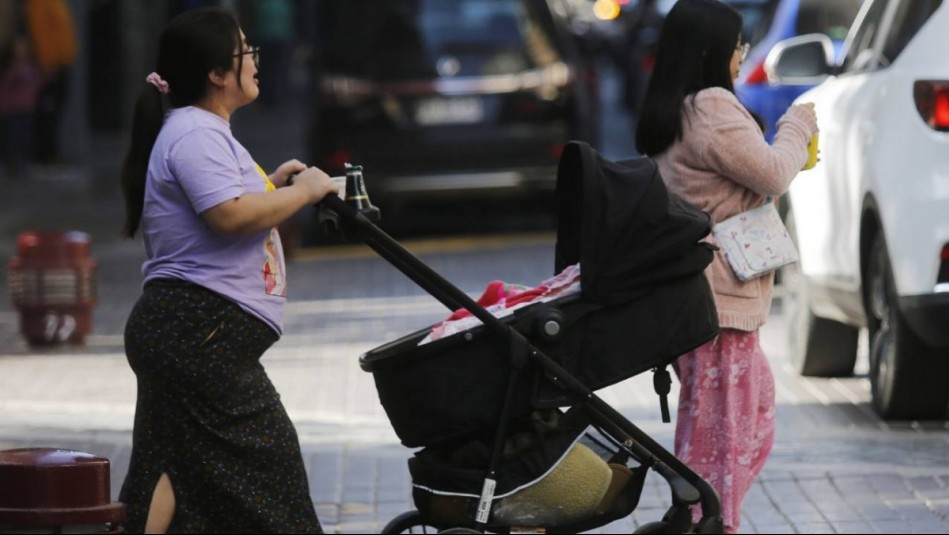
[
  {"x": 49, "y": 490},
  {"x": 52, "y": 282}
]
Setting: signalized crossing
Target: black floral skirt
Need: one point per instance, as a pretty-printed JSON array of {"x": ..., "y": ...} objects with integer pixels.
[{"x": 209, "y": 417}]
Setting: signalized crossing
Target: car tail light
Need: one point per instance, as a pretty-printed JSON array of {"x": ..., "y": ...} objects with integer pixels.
[
  {"x": 757, "y": 76},
  {"x": 943, "y": 276},
  {"x": 648, "y": 63},
  {"x": 556, "y": 150},
  {"x": 336, "y": 161},
  {"x": 932, "y": 103}
]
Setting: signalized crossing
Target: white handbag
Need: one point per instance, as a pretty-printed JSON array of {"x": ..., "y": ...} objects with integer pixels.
[{"x": 755, "y": 242}]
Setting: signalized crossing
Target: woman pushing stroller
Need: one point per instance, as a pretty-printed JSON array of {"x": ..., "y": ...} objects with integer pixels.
[
  {"x": 213, "y": 450},
  {"x": 711, "y": 152}
]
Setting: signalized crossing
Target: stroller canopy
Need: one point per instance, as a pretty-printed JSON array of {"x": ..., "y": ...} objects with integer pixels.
[
  {"x": 619, "y": 222},
  {"x": 644, "y": 301}
]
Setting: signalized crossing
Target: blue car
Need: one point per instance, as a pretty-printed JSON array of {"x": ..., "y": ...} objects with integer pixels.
[{"x": 770, "y": 21}]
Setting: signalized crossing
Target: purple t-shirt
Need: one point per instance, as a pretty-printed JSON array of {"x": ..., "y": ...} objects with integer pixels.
[{"x": 195, "y": 165}]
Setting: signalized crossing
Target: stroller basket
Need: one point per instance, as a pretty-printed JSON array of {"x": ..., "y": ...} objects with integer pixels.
[
  {"x": 451, "y": 511},
  {"x": 542, "y": 456},
  {"x": 455, "y": 386}
]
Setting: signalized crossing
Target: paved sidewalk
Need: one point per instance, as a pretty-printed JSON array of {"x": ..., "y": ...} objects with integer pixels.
[
  {"x": 359, "y": 479},
  {"x": 835, "y": 468}
]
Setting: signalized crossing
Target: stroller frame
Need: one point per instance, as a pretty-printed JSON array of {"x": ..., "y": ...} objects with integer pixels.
[{"x": 688, "y": 488}]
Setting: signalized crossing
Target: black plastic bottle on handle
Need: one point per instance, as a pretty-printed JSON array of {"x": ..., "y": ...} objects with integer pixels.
[{"x": 356, "y": 195}]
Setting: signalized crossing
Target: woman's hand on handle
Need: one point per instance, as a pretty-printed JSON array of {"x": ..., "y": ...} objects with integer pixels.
[
  {"x": 282, "y": 175},
  {"x": 317, "y": 184}
]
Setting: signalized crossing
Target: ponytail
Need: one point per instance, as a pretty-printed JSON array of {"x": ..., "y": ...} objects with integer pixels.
[
  {"x": 193, "y": 44},
  {"x": 146, "y": 123}
]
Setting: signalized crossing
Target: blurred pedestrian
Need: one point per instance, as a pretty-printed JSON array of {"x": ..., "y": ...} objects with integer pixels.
[
  {"x": 712, "y": 153},
  {"x": 53, "y": 35},
  {"x": 213, "y": 450},
  {"x": 19, "y": 90}
]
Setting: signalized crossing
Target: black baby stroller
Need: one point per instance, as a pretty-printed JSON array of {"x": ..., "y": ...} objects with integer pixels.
[{"x": 487, "y": 405}]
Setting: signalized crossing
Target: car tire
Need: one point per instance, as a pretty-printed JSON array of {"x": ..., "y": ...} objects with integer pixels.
[
  {"x": 819, "y": 347},
  {"x": 908, "y": 380}
]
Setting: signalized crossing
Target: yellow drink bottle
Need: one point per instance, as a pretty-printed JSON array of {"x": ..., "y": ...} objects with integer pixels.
[{"x": 811, "y": 153}]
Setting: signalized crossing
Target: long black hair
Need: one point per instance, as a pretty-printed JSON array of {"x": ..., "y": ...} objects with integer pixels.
[
  {"x": 696, "y": 45},
  {"x": 192, "y": 45}
]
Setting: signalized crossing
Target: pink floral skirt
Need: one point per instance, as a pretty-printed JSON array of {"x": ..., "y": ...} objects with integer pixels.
[{"x": 725, "y": 422}]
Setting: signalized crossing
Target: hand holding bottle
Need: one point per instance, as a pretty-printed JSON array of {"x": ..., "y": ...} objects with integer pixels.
[
  {"x": 806, "y": 112},
  {"x": 812, "y": 151}
]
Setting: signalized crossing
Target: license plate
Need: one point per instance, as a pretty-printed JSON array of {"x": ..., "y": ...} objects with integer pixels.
[{"x": 459, "y": 110}]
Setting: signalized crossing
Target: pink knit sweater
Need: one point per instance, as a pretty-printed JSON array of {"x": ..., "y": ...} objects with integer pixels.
[{"x": 723, "y": 165}]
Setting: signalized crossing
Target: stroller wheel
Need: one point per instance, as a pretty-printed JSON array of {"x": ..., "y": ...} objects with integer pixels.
[{"x": 414, "y": 522}]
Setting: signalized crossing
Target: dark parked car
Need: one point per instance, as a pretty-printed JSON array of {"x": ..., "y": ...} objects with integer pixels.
[{"x": 456, "y": 98}]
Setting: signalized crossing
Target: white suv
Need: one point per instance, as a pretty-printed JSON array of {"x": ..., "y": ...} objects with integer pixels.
[{"x": 872, "y": 219}]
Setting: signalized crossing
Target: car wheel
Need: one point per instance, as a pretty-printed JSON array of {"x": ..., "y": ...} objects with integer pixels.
[
  {"x": 819, "y": 347},
  {"x": 908, "y": 381}
]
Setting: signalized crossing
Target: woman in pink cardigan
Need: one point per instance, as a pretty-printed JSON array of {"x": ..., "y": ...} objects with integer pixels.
[{"x": 711, "y": 151}]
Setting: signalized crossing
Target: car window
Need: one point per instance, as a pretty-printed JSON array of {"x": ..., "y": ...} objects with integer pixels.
[
  {"x": 406, "y": 39},
  {"x": 757, "y": 17},
  {"x": 860, "y": 53},
  {"x": 831, "y": 18},
  {"x": 909, "y": 18}
]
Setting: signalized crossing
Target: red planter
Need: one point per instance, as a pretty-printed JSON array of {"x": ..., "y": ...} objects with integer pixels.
[
  {"x": 52, "y": 282},
  {"x": 60, "y": 490}
]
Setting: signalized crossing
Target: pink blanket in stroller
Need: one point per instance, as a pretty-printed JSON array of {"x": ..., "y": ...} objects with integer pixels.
[{"x": 501, "y": 299}]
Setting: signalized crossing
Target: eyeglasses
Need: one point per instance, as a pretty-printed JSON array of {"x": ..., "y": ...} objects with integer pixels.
[
  {"x": 743, "y": 49},
  {"x": 254, "y": 52}
]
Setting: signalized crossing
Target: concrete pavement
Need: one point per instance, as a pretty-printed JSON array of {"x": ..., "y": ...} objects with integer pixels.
[{"x": 835, "y": 469}]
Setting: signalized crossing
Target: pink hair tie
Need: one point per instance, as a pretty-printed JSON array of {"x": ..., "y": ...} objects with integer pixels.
[{"x": 160, "y": 85}]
